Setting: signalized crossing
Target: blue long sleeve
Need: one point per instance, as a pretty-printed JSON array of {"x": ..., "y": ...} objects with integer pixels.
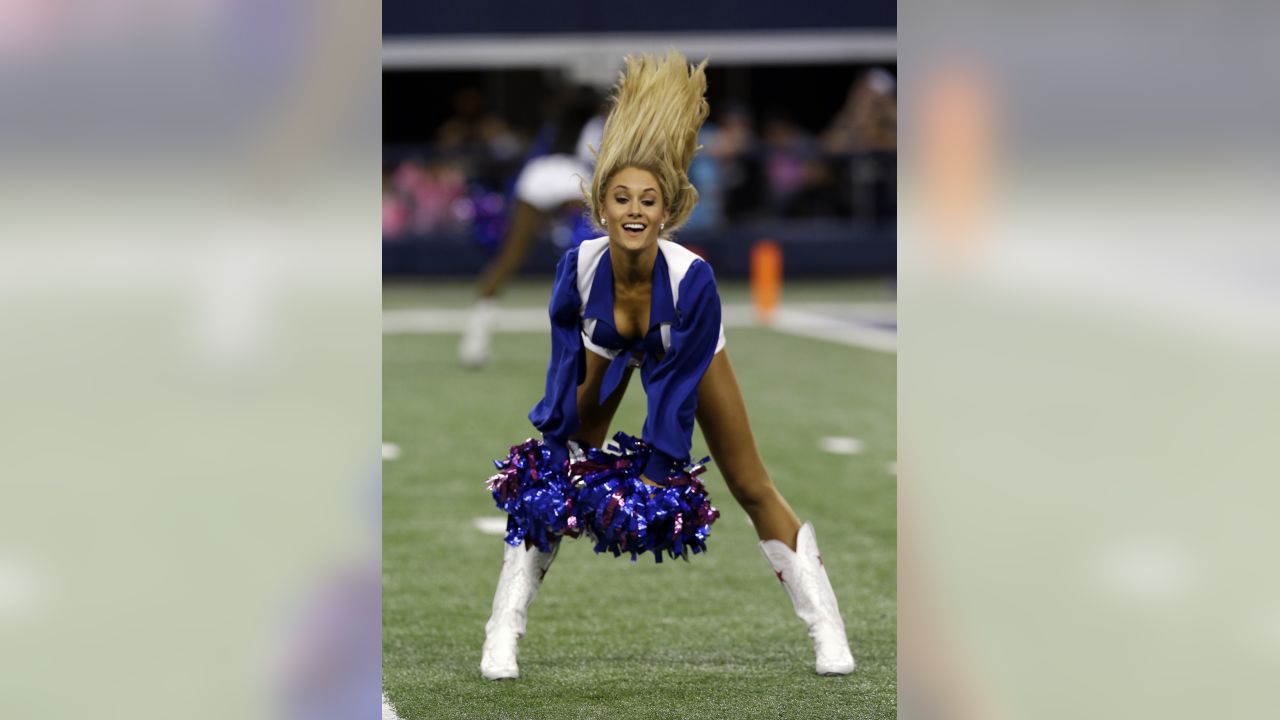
[
  {"x": 672, "y": 386},
  {"x": 556, "y": 415}
]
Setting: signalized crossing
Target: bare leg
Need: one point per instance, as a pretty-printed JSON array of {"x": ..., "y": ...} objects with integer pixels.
[
  {"x": 515, "y": 248},
  {"x": 790, "y": 548},
  {"x": 722, "y": 415}
]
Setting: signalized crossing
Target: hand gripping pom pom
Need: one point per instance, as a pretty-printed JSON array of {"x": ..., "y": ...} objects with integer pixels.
[{"x": 600, "y": 492}]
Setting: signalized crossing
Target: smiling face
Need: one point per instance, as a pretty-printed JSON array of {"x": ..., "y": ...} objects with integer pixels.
[{"x": 633, "y": 209}]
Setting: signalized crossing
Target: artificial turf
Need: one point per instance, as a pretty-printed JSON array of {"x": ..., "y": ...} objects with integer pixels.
[{"x": 712, "y": 638}]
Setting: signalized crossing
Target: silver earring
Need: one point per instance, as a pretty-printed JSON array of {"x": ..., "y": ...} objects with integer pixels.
[
  {"x": 662, "y": 226},
  {"x": 603, "y": 221}
]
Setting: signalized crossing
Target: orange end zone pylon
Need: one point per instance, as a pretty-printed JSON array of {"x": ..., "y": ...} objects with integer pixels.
[{"x": 766, "y": 278}]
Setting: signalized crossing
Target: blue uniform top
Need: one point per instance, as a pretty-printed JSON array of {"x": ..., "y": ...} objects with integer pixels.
[{"x": 684, "y": 333}]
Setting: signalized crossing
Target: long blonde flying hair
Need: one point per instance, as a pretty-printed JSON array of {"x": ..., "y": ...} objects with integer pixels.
[{"x": 657, "y": 109}]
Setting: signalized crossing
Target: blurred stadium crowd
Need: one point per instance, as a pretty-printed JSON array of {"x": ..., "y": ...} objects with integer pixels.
[{"x": 760, "y": 163}]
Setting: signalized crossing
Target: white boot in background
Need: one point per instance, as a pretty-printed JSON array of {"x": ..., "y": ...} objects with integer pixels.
[
  {"x": 522, "y": 572},
  {"x": 805, "y": 579},
  {"x": 474, "y": 350}
]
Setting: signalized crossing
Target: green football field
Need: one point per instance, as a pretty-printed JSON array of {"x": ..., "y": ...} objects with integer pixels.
[{"x": 712, "y": 638}]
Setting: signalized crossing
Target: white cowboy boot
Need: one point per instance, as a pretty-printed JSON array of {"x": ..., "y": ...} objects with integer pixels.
[
  {"x": 805, "y": 579},
  {"x": 522, "y": 572}
]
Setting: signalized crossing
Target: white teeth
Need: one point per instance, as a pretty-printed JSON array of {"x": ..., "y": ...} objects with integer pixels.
[{"x": 633, "y": 226}]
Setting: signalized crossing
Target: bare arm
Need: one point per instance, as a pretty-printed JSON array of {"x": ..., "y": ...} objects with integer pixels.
[{"x": 594, "y": 418}]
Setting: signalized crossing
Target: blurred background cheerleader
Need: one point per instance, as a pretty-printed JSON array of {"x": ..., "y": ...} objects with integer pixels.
[{"x": 547, "y": 192}]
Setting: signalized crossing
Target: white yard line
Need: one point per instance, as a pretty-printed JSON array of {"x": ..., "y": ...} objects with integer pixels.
[
  {"x": 852, "y": 324},
  {"x": 833, "y": 329},
  {"x": 841, "y": 445},
  {"x": 454, "y": 320},
  {"x": 490, "y": 525},
  {"x": 388, "y": 712}
]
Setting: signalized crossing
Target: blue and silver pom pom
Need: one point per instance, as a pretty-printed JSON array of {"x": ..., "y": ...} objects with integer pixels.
[
  {"x": 535, "y": 493},
  {"x": 600, "y": 492}
]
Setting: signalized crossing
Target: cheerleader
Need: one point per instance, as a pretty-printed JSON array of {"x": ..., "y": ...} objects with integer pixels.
[{"x": 634, "y": 300}]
